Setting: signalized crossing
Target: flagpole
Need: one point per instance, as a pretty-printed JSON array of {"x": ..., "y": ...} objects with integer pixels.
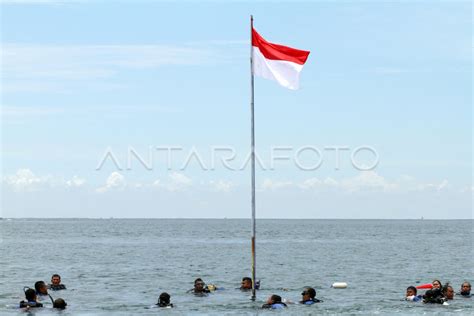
[{"x": 253, "y": 162}]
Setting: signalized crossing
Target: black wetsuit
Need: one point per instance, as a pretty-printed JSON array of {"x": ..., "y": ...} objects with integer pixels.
[
  {"x": 310, "y": 301},
  {"x": 31, "y": 304},
  {"x": 57, "y": 287},
  {"x": 434, "y": 296}
]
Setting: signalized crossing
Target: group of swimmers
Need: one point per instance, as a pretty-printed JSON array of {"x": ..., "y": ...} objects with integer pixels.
[
  {"x": 437, "y": 293},
  {"x": 273, "y": 302},
  {"x": 39, "y": 296}
]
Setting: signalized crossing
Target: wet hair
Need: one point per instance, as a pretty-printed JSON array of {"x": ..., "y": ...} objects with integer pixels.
[
  {"x": 56, "y": 276},
  {"x": 440, "y": 284},
  {"x": 198, "y": 280},
  {"x": 39, "y": 285},
  {"x": 246, "y": 279},
  {"x": 412, "y": 288},
  {"x": 465, "y": 282},
  {"x": 164, "y": 299},
  {"x": 310, "y": 291},
  {"x": 30, "y": 294},
  {"x": 275, "y": 298},
  {"x": 59, "y": 303},
  {"x": 446, "y": 287}
]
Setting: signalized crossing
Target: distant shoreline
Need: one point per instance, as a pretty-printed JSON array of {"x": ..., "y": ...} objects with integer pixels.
[{"x": 237, "y": 218}]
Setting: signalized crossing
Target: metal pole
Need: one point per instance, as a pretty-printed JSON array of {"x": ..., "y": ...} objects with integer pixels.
[{"x": 253, "y": 162}]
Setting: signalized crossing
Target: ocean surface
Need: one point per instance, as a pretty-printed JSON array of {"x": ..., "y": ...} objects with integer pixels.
[{"x": 119, "y": 267}]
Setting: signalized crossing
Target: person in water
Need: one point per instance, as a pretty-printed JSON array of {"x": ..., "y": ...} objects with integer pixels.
[
  {"x": 246, "y": 284},
  {"x": 309, "y": 296},
  {"x": 274, "y": 302},
  {"x": 164, "y": 300},
  {"x": 434, "y": 296},
  {"x": 448, "y": 292},
  {"x": 410, "y": 294},
  {"x": 30, "y": 300},
  {"x": 42, "y": 292},
  {"x": 199, "y": 287},
  {"x": 56, "y": 283},
  {"x": 437, "y": 284},
  {"x": 465, "y": 289},
  {"x": 59, "y": 303}
]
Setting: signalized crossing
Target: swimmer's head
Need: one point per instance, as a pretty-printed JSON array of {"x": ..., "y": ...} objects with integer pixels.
[
  {"x": 437, "y": 284},
  {"x": 41, "y": 288},
  {"x": 246, "y": 283},
  {"x": 30, "y": 295},
  {"x": 59, "y": 303},
  {"x": 56, "y": 279},
  {"x": 308, "y": 293},
  {"x": 448, "y": 291},
  {"x": 199, "y": 284},
  {"x": 465, "y": 288},
  {"x": 273, "y": 299},
  {"x": 411, "y": 291},
  {"x": 164, "y": 299}
]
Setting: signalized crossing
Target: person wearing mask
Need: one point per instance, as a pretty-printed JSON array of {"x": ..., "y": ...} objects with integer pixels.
[
  {"x": 164, "y": 300},
  {"x": 309, "y": 296}
]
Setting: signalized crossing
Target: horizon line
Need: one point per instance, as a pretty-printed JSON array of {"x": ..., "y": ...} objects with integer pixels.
[{"x": 241, "y": 218}]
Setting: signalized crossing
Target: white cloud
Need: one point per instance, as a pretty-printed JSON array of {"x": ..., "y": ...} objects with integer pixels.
[
  {"x": 365, "y": 181},
  {"x": 75, "y": 182},
  {"x": 269, "y": 184},
  {"x": 26, "y": 180},
  {"x": 178, "y": 181},
  {"x": 315, "y": 183},
  {"x": 443, "y": 185},
  {"x": 368, "y": 180},
  {"x": 115, "y": 181},
  {"x": 221, "y": 185}
]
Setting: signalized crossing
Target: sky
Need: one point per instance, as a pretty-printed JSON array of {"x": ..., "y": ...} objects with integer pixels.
[{"x": 141, "y": 109}]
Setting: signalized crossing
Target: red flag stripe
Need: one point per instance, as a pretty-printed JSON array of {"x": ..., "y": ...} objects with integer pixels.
[{"x": 278, "y": 52}]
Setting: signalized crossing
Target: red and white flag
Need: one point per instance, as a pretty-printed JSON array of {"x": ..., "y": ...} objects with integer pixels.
[{"x": 277, "y": 62}]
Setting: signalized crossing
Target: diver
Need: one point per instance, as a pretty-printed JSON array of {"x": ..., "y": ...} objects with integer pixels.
[
  {"x": 200, "y": 288},
  {"x": 30, "y": 299},
  {"x": 246, "y": 284},
  {"x": 56, "y": 283},
  {"x": 164, "y": 300},
  {"x": 410, "y": 295},
  {"x": 448, "y": 291},
  {"x": 465, "y": 289},
  {"x": 42, "y": 292},
  {"x": 274, "y": 302},
  {"x": 309, "y": 296},
  {"x": 434, "y": 296},
  {"x": 59, "y": 303}
]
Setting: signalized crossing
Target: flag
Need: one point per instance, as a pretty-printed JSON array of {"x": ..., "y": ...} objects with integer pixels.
[{"x": 277, "y": 62}]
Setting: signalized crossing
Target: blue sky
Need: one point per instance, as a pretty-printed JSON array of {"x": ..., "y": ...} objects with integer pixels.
[{"x": 80, "y": 78}]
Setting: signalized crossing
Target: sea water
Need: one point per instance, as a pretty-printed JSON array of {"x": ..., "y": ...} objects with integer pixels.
[{"x": 120, "y": 266}]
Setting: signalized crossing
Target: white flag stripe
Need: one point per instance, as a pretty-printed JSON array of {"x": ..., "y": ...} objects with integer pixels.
[{"x": 286, "y": 73}]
